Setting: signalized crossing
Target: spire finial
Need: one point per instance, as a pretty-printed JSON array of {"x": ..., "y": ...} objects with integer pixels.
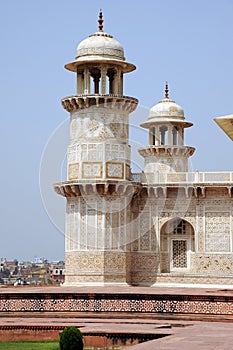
[
  {"x": 100, "y": 20},
  {"x": 166, "y": 90}
]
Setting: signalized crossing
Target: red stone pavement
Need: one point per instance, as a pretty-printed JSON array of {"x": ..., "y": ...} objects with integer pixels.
[
  {"x": 188, "y": 335},
  {"x": 181, "y": 334},
  {"x": 121, "y": 289}
]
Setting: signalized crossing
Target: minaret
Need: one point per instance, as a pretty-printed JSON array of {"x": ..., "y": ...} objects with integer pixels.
[
  {"x": 166, "y": 151},
  {"x": 98, "y": 189}
]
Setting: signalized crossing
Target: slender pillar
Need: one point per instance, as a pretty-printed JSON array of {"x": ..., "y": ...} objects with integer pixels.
[
  {"x": 157, "y": 138},
  {"x": 121, "y": 84},
  {"x": 103, "y": 79},
  {"x": 118, "y": 76},
  {"x": 151, "y": 136},
  {"x": 180, "y": 136},
  {"x": 86, "y": 81},
  {"x": 170, "y": 135},
  {"x": 79, "y": 83}
]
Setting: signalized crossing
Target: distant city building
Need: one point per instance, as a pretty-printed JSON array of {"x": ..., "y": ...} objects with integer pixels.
[
  {"x": 56, "y": 272},
  {"x": 13, "y": 272},
  {"x": 163, "y": 225}
]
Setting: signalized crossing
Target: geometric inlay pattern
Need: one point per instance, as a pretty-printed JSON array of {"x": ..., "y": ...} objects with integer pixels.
[
  {"x": 179, "y": 253},
  {"x": 215, "y": 263},
  {"x": 92, "y": 170},
  {"x": 100, "y": 302},
  {"x": 73, "y": 171},
  {"x": 217, "y": 229},
  {"x": 115, "y": 170}
]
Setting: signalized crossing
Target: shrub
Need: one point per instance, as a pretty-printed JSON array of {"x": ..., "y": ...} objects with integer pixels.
[{"x": 71, "y": 338}]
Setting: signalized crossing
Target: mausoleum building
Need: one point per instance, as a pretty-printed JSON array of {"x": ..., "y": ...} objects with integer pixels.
[{"x": 166, "y": 224}]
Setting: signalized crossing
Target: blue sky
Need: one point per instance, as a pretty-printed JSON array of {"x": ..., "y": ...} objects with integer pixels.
[{"x": 187, "y": 43}]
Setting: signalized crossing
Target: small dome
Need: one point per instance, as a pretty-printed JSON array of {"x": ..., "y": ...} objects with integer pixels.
[
  {"x": 100, "y": 47},
  {"x": 100, "y": 44},
  {"x": 166, "y": 108},
  {"x": 166, "y": 111}
]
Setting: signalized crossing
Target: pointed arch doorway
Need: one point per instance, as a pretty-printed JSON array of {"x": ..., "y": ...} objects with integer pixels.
[{"x": 177, "y": 243}]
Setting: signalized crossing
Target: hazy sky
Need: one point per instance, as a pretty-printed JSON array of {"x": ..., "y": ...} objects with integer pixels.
[{"x": 188, "y": 43}]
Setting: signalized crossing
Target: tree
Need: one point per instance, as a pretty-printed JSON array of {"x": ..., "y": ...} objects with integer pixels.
[{"x": 71, "y": 338}]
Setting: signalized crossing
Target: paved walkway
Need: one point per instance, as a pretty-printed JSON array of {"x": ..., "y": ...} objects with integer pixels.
[
  {"x": 122, "y": 290},
  {"x": 198, "y": 336},
  {"x": 181, "y": 334}
]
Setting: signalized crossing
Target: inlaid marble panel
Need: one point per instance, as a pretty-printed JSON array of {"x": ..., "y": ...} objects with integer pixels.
[
  {"x": 73, "y": 171},
  {"x": 217, "y": 232},
  {"x": 92, "y": 170},
  {"x": 115, "y": 170}
]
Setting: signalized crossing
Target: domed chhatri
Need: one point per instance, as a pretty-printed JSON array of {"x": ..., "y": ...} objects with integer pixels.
[
  {"x": 166, "y": 110},
  {"x": 100, "y": 67},
  {"x": 100, "y": 46},
  {"x": 166, "y": 151}
]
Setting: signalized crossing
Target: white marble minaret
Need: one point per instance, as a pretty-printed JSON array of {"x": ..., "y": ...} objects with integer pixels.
[{"x": 98, "y": 190}]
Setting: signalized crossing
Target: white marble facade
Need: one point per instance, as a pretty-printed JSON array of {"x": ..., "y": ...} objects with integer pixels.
[{"x": 164, "y": 225}]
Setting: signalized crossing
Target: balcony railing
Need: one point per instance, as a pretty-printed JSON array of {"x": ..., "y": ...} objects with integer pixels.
[{"x": 194, "y": 177}]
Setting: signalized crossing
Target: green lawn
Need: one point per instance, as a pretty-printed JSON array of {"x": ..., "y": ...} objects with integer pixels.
[{"x": 32, "y": 345}]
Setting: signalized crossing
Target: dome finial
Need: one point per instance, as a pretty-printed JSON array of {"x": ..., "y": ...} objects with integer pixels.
[
  {"x": 166, "y": 90},
  {"x": 100, "y": 20}
]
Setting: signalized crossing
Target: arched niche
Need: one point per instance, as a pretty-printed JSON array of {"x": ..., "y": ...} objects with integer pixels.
[{"x": 176, "y": 245}]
